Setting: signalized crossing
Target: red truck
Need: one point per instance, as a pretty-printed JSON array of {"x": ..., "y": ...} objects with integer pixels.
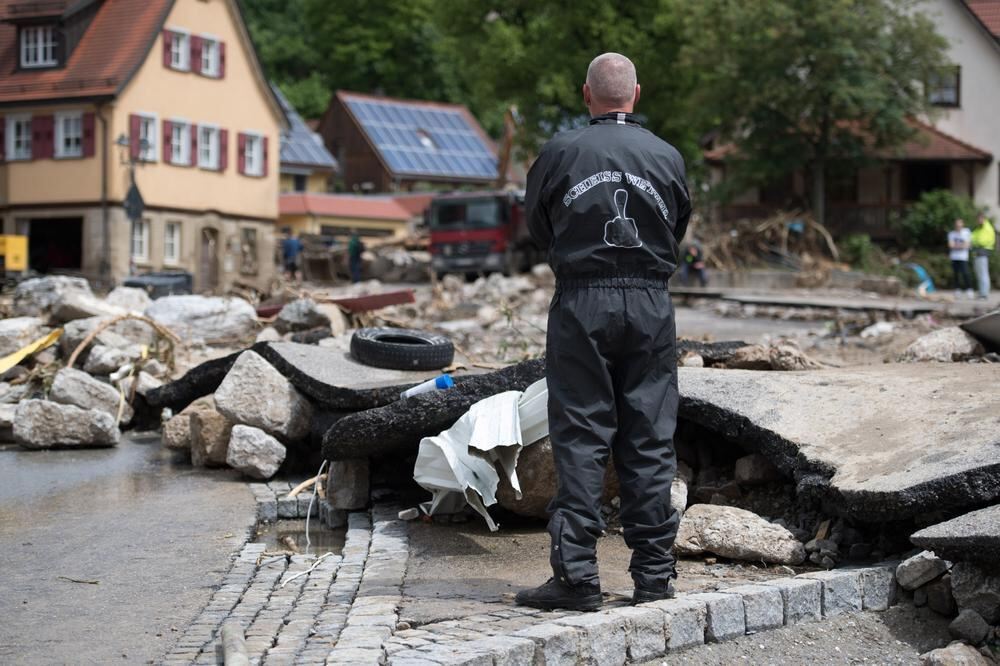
[{"x": 480, "y": 232}]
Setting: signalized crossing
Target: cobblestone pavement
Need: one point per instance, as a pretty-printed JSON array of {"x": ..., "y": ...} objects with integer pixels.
[{"x": 343, "y": 609}]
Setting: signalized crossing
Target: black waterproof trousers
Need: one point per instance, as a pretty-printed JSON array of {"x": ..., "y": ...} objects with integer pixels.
[{"x": 612, "y": 381}]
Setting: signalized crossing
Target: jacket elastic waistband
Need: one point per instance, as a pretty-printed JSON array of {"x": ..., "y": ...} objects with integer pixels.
[{"x": 611, "y": 281}]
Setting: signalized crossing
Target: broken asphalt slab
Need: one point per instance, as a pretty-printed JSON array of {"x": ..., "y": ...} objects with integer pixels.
[
  {"x": 973, "y": 536},
  {"x": 883, "y": 443},
  {"x": 399, "y": 426},
  {"x": 985, "y": 328}
]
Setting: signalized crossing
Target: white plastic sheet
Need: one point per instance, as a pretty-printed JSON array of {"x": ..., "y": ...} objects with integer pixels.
[{"x": 461, "y": 464}]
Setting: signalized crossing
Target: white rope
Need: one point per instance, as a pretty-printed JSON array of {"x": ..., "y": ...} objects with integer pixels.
[{"x": 303, "y": 573}]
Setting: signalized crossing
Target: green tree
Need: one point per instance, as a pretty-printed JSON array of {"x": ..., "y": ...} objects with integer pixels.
[
  {"x": 927, "y": 223},
  {"x": 808, "y": 84}
]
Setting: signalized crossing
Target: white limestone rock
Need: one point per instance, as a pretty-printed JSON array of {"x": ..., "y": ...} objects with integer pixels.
[
  {"x": 254, "y": 452},
  {"x": 254, "y": 393}
]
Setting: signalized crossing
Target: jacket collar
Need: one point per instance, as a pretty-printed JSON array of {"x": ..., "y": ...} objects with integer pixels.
[{"x": 616, "y": 118}]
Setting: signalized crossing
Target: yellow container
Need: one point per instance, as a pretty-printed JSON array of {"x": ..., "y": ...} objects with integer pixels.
[{"x": 14, "y": 252}]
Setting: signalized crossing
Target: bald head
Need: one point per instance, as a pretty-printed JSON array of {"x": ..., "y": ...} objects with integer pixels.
[{"x": 611, "y": 84}]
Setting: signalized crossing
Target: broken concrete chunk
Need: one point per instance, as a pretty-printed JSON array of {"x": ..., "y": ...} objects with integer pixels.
[
  {"x": 978, "y": 588},
  {"x": 106, "y": 360},
  {"x": 37, "y": 296},
  {"x": 891, "y": 460},
  {"x": 920, "y": 569},
  {"x": 16, "y": 332},
  {"x": 944, "y": 345},
  {"x": 41, "y": 424},
  {"x": 347, "y": 484},
  {"x": 750, "y": 357},
  {"x": 210, "y": 318},
  {"x": 254, "y": 452},
  {"x": 120, "y": 334},
  {"x": 254, "y": 393},
  {"x": 210, "y": 432},
  {"x": 300, "y": 315},
  {"x": 737, "y": 534},
  {"x": 130, "y": 299},
  {"x": 80, "y": 306},
  {"x": 956, "y": 654},
  {"x": 969, "y": 626},
  {"x": 399, "y": 427},
  {"x": 74, "y": 387},
  {"x": 177, "y": 429},
  {"x": 973, "y": 536}
]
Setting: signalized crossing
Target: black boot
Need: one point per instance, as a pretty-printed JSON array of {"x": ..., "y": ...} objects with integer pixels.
[
  {"x": 659, "y": 592},
  {"x": 553, "y": 594}
]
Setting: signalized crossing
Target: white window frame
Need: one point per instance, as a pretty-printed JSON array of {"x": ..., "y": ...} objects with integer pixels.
[
  {"x": 150, "y": 121},
  {"x": 180, "y": 50},
  {"x": 257, "y": 140},
  {"x": 181, "y": 157},
  {"x": 61, "y": 119},
  {"x": 10, "y": 150},
  {"x": 172, "y": 246},
  {"x": 38, "y": 46},
  {"x": 211, "y": 160},
  {"x": 139, "y": 241},
  {"x": 210, "y": 60}
]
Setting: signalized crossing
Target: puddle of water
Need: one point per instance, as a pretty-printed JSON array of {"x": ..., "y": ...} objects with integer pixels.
[{"x": 322, "y": 538}]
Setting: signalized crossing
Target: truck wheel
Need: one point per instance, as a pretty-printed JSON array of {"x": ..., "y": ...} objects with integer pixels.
[{"x": 401, "y": 349}]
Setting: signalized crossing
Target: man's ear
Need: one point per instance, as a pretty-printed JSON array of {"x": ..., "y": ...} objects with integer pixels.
[
  {"x": 586, "y": 95},
  {"x": 637, "y": 90}
]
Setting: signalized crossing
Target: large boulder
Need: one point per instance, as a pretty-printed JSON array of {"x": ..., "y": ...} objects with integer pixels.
[
  {"x": 74, "y": 387},
  {"x": 978, "y": 588},
  {"x": 210, "y": 433},
  {"x": 41, "y": 424},
  {"x": 920, "y": 569},
  {"x": 737, "y": 534},
  {"x": 130, "y": 299},
  {"x": 254, "y": 452},
  {"x": 536, "y": 474},
  {"x": 209, "y": 318},
  {"x": 16, "y": 332},
  {"x": 59, "y": 298},
  {"x": 254, "y": 393},
  {"x": 944, "y": 345},
  {"x": 300, "y": 315}
]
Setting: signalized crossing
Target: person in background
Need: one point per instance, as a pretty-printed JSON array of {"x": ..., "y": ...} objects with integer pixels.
[
  {"x": 984, "y": 242},
  {"x": 694, "y": 262},
  {"x": 959, "y": 241},
  {"x": 354, "y": 249},
  {"x": 291, "y": 253}
]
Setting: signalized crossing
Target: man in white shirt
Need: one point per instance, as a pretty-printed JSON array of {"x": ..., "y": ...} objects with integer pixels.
[{"x": 959, "y": 241}]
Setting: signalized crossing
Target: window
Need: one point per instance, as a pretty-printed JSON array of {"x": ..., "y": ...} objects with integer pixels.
[
  {"x": 180, "y": 143},
  {"x": 19, "y": 137},
  {"x": 300, "y": 182},
  {"x": 38, "y": 46},
  {"x": 140, "y": 240},
  {"x": 147, "y": 138},
  {"x": 254, "y": 155},
  {"x": 944, "y": 88},
  {"x": 180, "y": 51},
  {"x": 208, "y": 147},
  {"x": 69, "y": 134},
  {"x": 210, "y": 57},
  {"x": 172, "y": 243}
]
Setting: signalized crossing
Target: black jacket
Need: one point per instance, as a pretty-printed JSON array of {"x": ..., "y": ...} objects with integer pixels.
[{"x": 609, "y": 200}]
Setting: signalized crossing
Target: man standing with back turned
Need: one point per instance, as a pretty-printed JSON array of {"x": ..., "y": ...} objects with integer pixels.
[{"x": 610, "y": 204}]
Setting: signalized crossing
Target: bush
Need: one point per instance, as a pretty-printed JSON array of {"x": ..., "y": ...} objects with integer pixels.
[
  {"x": 927, "y": 223},
  {"x": 862, "y": 253}
]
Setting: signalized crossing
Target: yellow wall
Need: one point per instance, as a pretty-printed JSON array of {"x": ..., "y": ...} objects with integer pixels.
[
  {"x": 237, "y": 102},
  {"x": 315, "y": 182},
  {"x": 307, "y": 224},
  {"x": 56, "y": 180}
]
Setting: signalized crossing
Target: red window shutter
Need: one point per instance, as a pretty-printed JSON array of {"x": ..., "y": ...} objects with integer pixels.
[
  {"x": 193, "y": 156},
  {"x": 196, "y": 42},
  {"x": 42, "y": 140},
  {"x": 222, "y": 59},
  {"x": 168, "y": 130},
  {"x": 168, "y": 39},
  {"x": 223, "y": 149},
  {"x": 263, "y": 142},
  {"x": 241, "y": 153},
  {"x": 134, "y": 150},
  {"x": 88, "y": 134}
]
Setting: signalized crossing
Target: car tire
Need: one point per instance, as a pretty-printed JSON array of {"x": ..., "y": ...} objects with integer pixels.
[{"x": 401, "y": 349}]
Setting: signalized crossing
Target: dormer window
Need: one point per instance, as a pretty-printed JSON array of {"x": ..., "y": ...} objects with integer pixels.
[{"x": 38, "y": 46}]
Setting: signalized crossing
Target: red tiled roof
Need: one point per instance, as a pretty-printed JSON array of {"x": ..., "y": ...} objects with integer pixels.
[
  {"x": 116, "y": 42},
  {"x": 342, "y": 205},
  {"x": 988, "y": 12},
  {"x": 415, "y": 203}
]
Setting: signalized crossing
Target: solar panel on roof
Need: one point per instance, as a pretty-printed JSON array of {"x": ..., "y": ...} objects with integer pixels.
[{"x": 424, "y": 141}]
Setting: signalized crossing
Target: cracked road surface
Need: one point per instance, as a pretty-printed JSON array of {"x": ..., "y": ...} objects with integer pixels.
[{"x": 155, "y": 534}]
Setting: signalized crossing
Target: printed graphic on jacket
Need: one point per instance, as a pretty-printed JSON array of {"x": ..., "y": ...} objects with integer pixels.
[{"x": 621, "y": 231}]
